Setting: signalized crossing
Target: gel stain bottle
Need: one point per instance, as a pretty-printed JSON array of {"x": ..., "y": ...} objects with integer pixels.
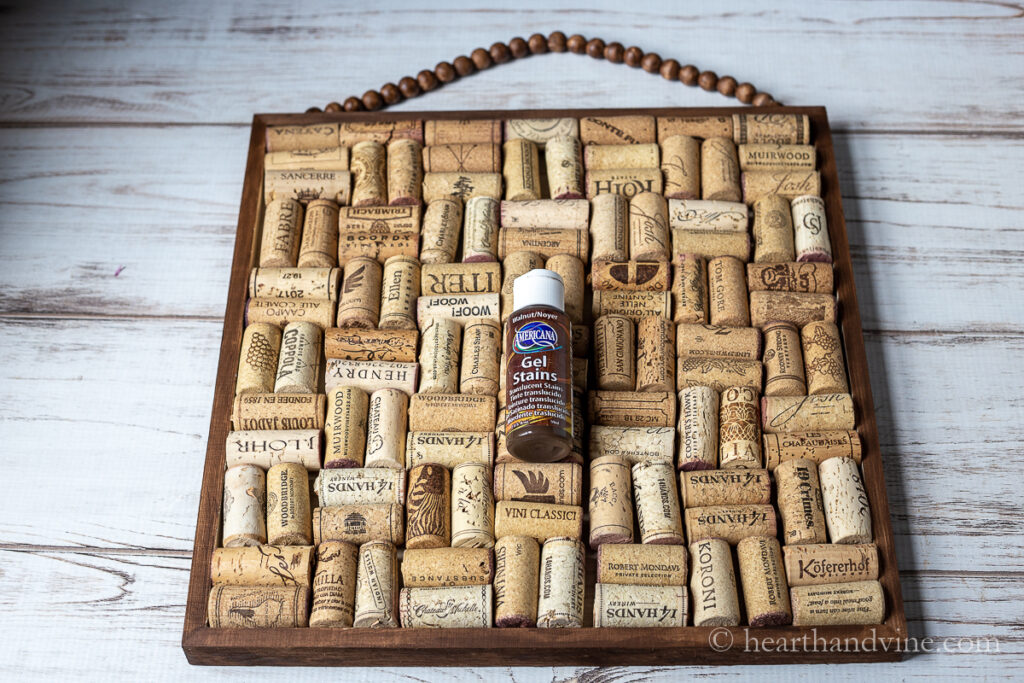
[{"x": 538, "y": 380}]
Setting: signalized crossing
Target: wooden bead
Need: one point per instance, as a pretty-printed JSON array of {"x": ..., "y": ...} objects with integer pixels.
[
  {"x": 577, "y": 44},
  {"x": 390, "y": 93},
  {"x": 313, "y": 110},
  {"x": 707, "y": 80},
  {"x": 727, "y": 86},
  {"x": 500, "y": 53},
  {"x": 464, "y": 65},
  {"x": 670, "y": 69},
  {"x": 762, "y": 99},
  {"x": 353, "y": 104},
  {"x": 333, "y": 107},
  {"x": 372, "y": 100},
  {"x": 557, "y": 42},
  {"x": 651, "y": 62},
  {"x": 481, "y": 58},
  {"x": 538, "y": 44},
  {"x": 745, "y": 92},
  {"x": 595, "y": 48},
  {"x": 614, "y": 52},
  {"x": 518, "y": 47},
  {"x": 632, "y": 56},
  {"x": 409, "y": 87},
  {"x": 445, "y": 72},
  {"x": 688, "y": 74},
  {"x": 427, "y": 80}
]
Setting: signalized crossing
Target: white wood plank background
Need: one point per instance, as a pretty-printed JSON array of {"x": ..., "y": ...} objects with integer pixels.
[{"x": 122, "y": 145}]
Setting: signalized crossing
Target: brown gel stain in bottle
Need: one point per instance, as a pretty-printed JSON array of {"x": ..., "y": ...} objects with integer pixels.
[{"x": 538, "y": 380}]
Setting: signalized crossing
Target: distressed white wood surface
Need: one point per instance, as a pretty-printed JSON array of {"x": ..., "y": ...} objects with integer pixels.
[{"x": 122, "y": 145}]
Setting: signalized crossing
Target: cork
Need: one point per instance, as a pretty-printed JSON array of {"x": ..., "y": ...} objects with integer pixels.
[
  {"x": 790, "y": 277},
  {"x": 553, "y": 483},
  {"x": 312, "y": 136},
  {"x": 461, "y": 131},
  {"x": 739, "y": 440},
  {"x": 442, "y": 224},
  {"x": 786, "y": 184},
  {"x": 563, "y": 160},
  {"x": 288, "y": 505},
  {"x": 633, "y": 444},
  {"x": 258, "y": 606},
  {"x": 359, "y": 524},
  {"x": 847, "y": 511},
  {"x": 451, "y": 412},
  {"x": 376, "y": 586},
  {"x": 360, "y": 486},
  {"x": 708, "y": 215},
  {"x": 725, "y": 487},
  {"x": 461, "y": 308},
  {"x": 360, "y": 294},
  {"x": 782, "y": 129},
  {"x": 544, "y": 241},
  {"x": 571, "y": 270},
  {"x": 798, "y": 308},
  {"x": 331, "y": 158},
  {"x": 713, "y": 584},
  {"x": 368, "y": 174},
  {"x": 632, "y": 408},
  {"x": 481, "y": 353},
  {"x": 521, "y": 170},
  {"x": 480, "y": 235},
  {"x": 280, "y": 312},
  {"x": 266, "y": 448},
  {"x": 633, "y": 305},
  {"x": 263, "y": 565},
  {"x": 405, "y": 172},
  {"x": 825, "y": 412},
  {"x": 541, "y": 131},
  {"x": 439, "y": 357},
  {"x": 278, "y": 411},
  {"x": 773, "y": 230},
  {"x": 294, "y": 283},
  {"x": 516, "y": 581},
  {"x": 319, "y": 245},
  {"x": 307, "y": 184},
  {"x": 562, "y": 586},
  {"x": 656, "y": 354},
  {"x": 765, "y": 593},
  {"x": 641, "y": 565},
  {"x": 617, "y": 130},
  {"x": 618, "y": 606},
  {"x": 690, "y": 289},
  {"x": 480, "y": 157},
  {"x": 611, "y": 501},
  {"x": 400, "y": 288},
  {"x": 609, "y": 228},
  {"x": 472, "y": 506},
  {"x": 461, "y": 186},
  {"x": 579, "y": 425},
  {"x": 815, "y": 446},
  {"x": 446, "y": 607},
  {"x": 657, "y": 503},
  {"x": 298, "y": 365},
  {"x": 718, "y": 342},
  {"x": 727, "y": 285},
  {"x": 431, "y": 567},
  {"x": 334, "y": 586},
  {"x": 563, "y": 214},
  {"x": 695, "y": 126},
  {"x": 448, "y": 449},
  {"x": 732, "y": 523},
  {"x": 631, "y": 276},
  {"x": 776, "y": 157},
  {"x": 615, "y": 353},
  {"x": 800, "y": 502},
  {"x": 351, "y": 132},
  {"x": 580, "y": 341},
  {"x": 810, "y": 229},
  {"x": 387, "y": 418},
  {"x": 538, "y": 520},
  {"x": 370, "y": 375},
  {"x": 823, "y": 359},
  {"x": 815, "y": 564},
  {"x": 379, "y": 219},
  {"x": 353, "y": 343},
  {"x": 719, "y": 170},
  {"x": 428, "y": 522},
  {"x": 604, "y": 157},
  {"x": 698, "y": 428},
  {"x": 515, "y": 264},
  {"x": 282, "y": 225},
  {"x": 838, "y": 604},
  {"x": 380, "y": 245},
  {"x": 783, "y": 361},
  {"x": 648, "y": 227},
  {"x": 710, "y": 243},
  {"x": 243, "y": 520},
  {"x": 257, "y": 361},
  {"x": 718, "y": 373},
  {"x": 627, "y": 182},
  {"x": 460, "y": 278},
  {"x": 680, "y": 164}
]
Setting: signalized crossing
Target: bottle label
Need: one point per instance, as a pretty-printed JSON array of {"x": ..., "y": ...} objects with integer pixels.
[{"x": 539, "y": 377}]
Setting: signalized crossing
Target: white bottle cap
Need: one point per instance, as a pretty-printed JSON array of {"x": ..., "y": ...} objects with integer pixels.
[{"x": 539, "y": 287}]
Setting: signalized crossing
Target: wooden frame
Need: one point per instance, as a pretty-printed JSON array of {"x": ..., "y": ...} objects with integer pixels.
[{"x": 548, "y": 647}]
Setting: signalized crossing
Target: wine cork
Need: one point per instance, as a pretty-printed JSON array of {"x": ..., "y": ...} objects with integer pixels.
[
  {"x": 570, "y": 268},
  {"x": 257, "y": 361},
  {"x": 360, "y": 294},
  {"x": 718, "y": 373},
  {"x": 810, "y": 564},
  {"x": 657, "y": 503},
  {"x": 615, "y": 352},
  {"x": 731, "y": 523},
  {"x": 633, "y": 444},
  {"x": 648, "y": 227},
  {"x": 656, "y": 355},
  {"x": 719, "y": 170},
  {"x": 480, "y": 235},
  {"x": 786, "y": 184},
  {"x": 243, "y": 520},
  {"x": 353, "y": 343},
  {"x": 258, "y": 606},
  {"x": 359, "y": 524},
  {"x": 307, "y": 184},
  {"x": 319, "y": 246},
  {"x": 461, "y": 131},
  {"x": 428, "y": 522},
  {"x": 713, "y": 341},
  {"x": 472, "y": 506},
  {"x": 266, "y": 448},
  {"x": 280, "y": 312},
  {"x": 368, "y": 174},
  {"x": 611, "y": 501},
  {"x": 810, "y": 229},
  {"x": 698, "y": 428},
  {"x": 707, "y": 215},
  {"x": 481, "y": 356},
  {"x": 298, "y": 366},
  {"x": 461, "y": 309},
  {"x": 360, "y": 486},
  {"x": 370, "y": 375},
  {"x": 334, "y": 587},
  {"x": 562, "y": 586},
  {"x": 617, "y": 130},
  {"x": 695, "y": 126},
  {"x": 627, "y": 182},
  {"x": 480, "y": 157},
  {"x": 460, "y": 278},
  {"x": 724, "y": 487},
  {"x": 713, "y": 584},
  {"x": 288, "y": 505},
  {"x": 781, "y": 129},
  {"x": 837, "y": 604},
  {"x": 541, "y": 131},
  {"x": 847, "y": 511},
  {"x": 441, "y": 225},
  {"x": 618, "y": 606},
  {"x": 282, "y": 224},
  {"x": 563, "y": 214},
  {"x": 515, "y": 264},
  {"x": 451, "y": 412},
  {"x": 765, "y": 593},
  {"x": 728, "y": 291},
  {"x": 632, "y": 408},
  {"x": 538, "y": 520},
  {"x": 430, "y": 567},
  {"x": 632, "y": 305},
  {"x": 739, "y": 440},
  {"x": 379, "y": 246},
  {"x": 439, "y": 357},
  {"x": 516, "y": 581},
  {"x": 776, "y": 157},
  {"x": 605, "y": 157},
  {"x": 609, "y": 228},
  {"x": 278, "y": 411},
  {"x": 710, "y": 244},
  {"x": 461, "y": 186},
  {"x": 790, "y": 277},
  {"x": 800, "y": 502},
  {"x": 312, "y": 136},
  {"x": 815, "y": 446},
  {"x": 773, "y": 230},
  {"x": 641, "y": 565},
  {"x": 400, "y": 288},
  {"x": 823, "y": 359},
  {"x": 264, "y": 565},
  {"x": 632, "y": 276},
  {"x": 826, "y": 412},
  {"x": 405, "y": 172},
  {"x": 379, "y": 219},
  {"x": 552, "y": 483},
  {"x": 386, "y": 423},
  {"x": 294, "y": 283},
  {"x": 798, "y": 308},
  {"x": 448, "y": 449},
  {"x": 351, "y": 132},
  {"x": 690, "y": 289},
  {"x": 783, "y": 361},
  {"x": 521, "y": 170},
  {"x": 543, "y": 241},
  {"x": 330, "y": 158},
  {"x": 446, "y": 607},
  {"x": 564, "y": 166},
  {"x": 377, "y": 586},
  {"x": 680, "y": 163}
]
